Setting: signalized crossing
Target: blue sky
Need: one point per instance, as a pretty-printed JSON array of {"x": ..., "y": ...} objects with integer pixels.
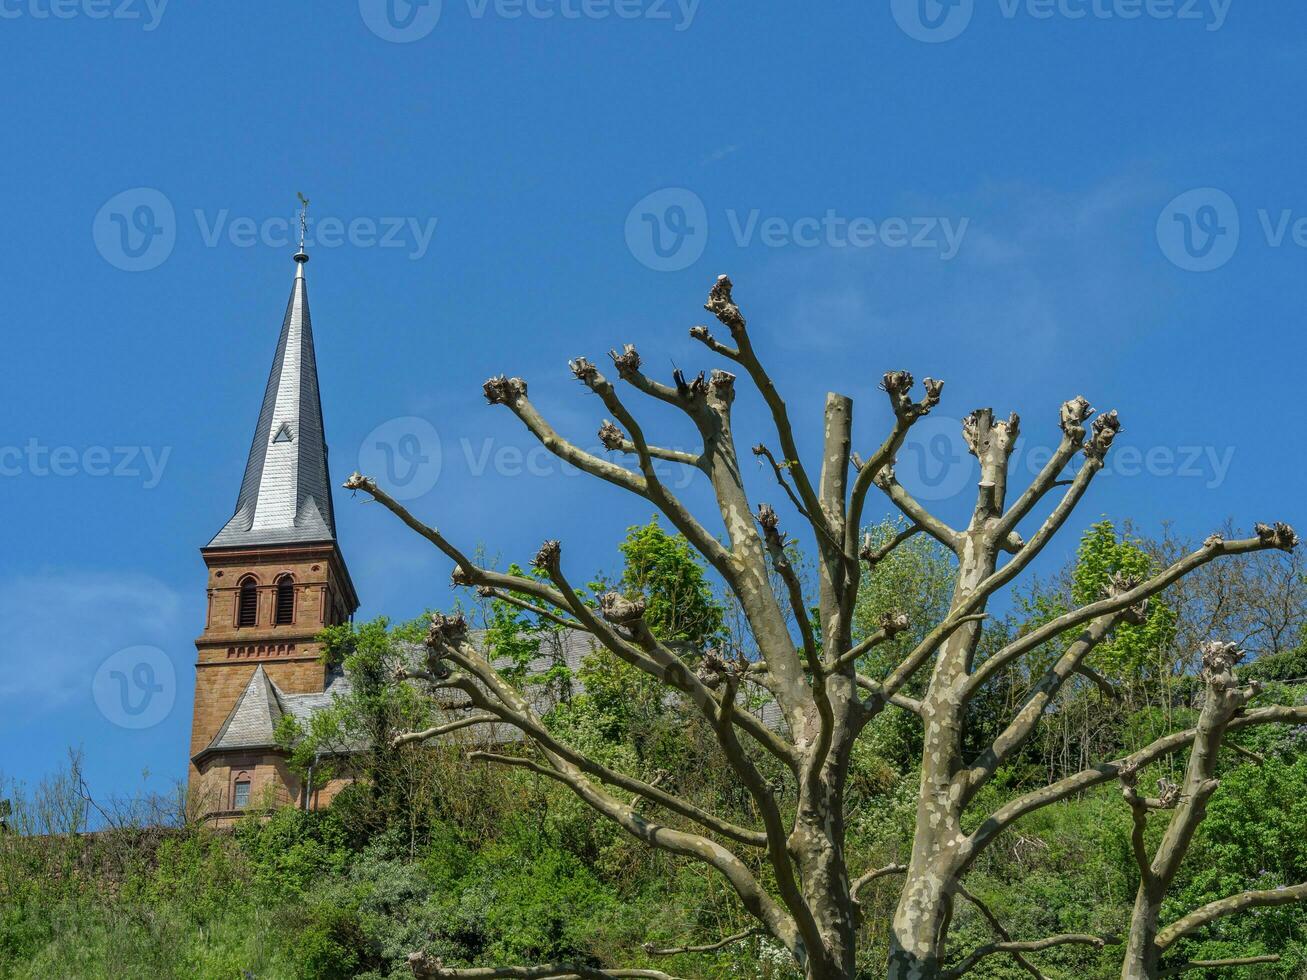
[{"x": 995, "y": 192}]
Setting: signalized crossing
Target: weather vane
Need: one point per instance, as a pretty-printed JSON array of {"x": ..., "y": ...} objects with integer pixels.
[{"x": 304, "y": 217}]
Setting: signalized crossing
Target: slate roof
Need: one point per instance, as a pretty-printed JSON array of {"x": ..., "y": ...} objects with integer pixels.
[
  {"x": 253, "y": 720},
  {"x": 567, "y": 648},
  {"x": 285, "y": 496}
]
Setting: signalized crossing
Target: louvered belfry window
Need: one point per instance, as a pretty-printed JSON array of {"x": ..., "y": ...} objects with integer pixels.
[
  {"x": 285, "y": 600},
  {"x": 247, "y": 613}
]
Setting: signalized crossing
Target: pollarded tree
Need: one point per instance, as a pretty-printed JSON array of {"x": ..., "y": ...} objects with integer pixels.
[
  {"x": 1224, "y": 700},
  {"x": 807, "y": 897}
]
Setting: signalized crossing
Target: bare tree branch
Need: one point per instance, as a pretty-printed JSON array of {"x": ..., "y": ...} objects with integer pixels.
[
  {"x": 512, "y": 392},
  {"x": 1179, "y": 968},
  {"x": 897, "y": 385},
  {"x": 778, "y": 471},
  {"x": 721, "y": 304},
  {"x": 488, "y": 592},
  {"x": 428, "y": 967},
  {"x": 721, "y": 944},
  {"x": 614, "y": 441},
  {"x": 1027, "y": 946},
  {"x": 1099, "y": 681},
  {"x": 1073, "y": 416},
  {"x": 1214, "y": 547},
  {"x": 915, "y": 512},
  {"x": 891, "y": 625},
  {"x": 1062, "y": 789},
  {"x": 970, "y": 779},
  {"x": 1284, "y": 895},
  {"x": 769, "y": 523},
  {"x": 865, "y": 879},
  {"x": 874, "y": 556},
  {"x": 1000, "y": 931},
  {"x": 466, "y": 571},
  {"x": 512, "y": 708},
  {"x": 445, "y": 729},
  {"x": 752, "y": 894}
]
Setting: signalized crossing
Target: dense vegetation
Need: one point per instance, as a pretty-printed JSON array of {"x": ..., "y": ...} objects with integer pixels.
[{"x": 479, "y": 864}]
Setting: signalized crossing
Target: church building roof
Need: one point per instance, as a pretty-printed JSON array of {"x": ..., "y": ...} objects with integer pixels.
[
  {"x": 285, "y": 497},
  {"x": 253, "y": 720}
]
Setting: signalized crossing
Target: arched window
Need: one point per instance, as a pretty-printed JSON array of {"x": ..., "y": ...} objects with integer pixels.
[
  {"x": 240, "y": 795},
  {"x": 285, "y": 601},
  {"x": 247, "y": 610}
]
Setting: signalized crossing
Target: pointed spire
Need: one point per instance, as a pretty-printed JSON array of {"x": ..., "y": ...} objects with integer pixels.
[{"x": 285, "y": 497}]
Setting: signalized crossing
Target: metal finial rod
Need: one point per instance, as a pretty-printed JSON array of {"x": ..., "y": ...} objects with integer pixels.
[
  {"x": 304, "y": 217},
  {"x": 302, "y": 256}
]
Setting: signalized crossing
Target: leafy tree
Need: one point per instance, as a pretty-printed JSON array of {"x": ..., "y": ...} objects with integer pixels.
[
  {"x": 669, "y": 576},
  {"x": 624, "y": 705},
  {"x": 355, "y": 735},
  {"x": 1136, "y": 650}
]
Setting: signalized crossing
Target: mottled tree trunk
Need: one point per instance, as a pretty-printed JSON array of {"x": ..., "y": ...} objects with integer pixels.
[
  {"x": 921, "y": 919},
  {"x": 1142, "y": 957},
  {"x": 1222, "y": 700}
]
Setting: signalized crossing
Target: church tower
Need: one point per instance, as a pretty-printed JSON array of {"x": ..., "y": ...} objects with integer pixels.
[{"x": 276, "y": 577}]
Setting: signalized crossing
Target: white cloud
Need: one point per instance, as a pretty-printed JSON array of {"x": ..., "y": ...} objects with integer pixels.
[
  {"x": 61, "y": 624},
  {"x": 721, "y": 153},
  {"x": 1037, "y": 267}
]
